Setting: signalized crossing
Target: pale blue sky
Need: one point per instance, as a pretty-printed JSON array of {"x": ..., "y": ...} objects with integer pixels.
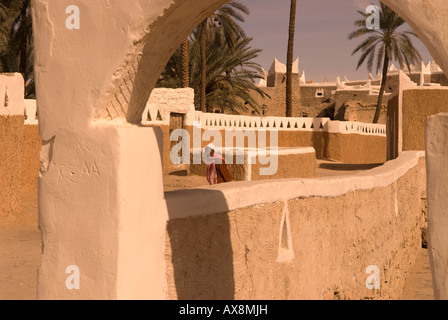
[{"x": 322, "y": 27}]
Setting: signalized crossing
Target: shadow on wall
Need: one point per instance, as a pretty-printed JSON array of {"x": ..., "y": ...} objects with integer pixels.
[
  {"x": 199, "y": 250},
  {"x": 318, "y": 140},
  {"x": 348, "y": 167}
]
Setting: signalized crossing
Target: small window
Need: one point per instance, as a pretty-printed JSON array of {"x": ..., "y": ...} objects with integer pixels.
[{"x": 320, "y": 93}]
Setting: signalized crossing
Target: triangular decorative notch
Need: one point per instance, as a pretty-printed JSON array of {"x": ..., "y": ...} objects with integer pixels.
[
  {"x": 285, "y": 250},
  {"x": 159, "y": 116}
]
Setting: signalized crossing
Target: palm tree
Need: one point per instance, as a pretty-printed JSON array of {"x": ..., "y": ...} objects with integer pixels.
[
  {"x": 21, "y": 34},
  {"x": 230, "y": 73},
  {"x": 289, "y": 62},
  {"x": 385, "y": 44},
  {"x": 8, "y": 62},
  {"x": 203, "y": 38},
  {"x": 225, "y": 20},
  {"x": 16, "y": 41},
  {"x": 185, "y": 63}
]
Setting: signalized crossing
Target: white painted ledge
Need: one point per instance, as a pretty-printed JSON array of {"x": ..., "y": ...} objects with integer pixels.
[
  {"x": 220, "y": 121},
  {"x": 31, "y": 112},
  {"x": 11, "y": 94},
  {"x": 236, "y": 195},
  {"x": 353, "y": 127}
]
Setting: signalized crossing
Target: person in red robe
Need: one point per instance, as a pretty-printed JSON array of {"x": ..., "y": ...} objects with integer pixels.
[{"x": 217, "y": 169}]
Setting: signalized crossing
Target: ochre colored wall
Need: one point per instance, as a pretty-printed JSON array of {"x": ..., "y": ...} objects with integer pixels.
[
  {"x": 276, "y": 104},
  {"x": 289, "y": 166},
  {"x": 418, "y": 105},
  {"x": 233, "y": 255},
  {"x": 355, "y": 148},
  {"x": 347, "y": 148},
  {"x": 316, "y": 107},
  {"x": 393, "y": 130},
  {"x": 11, "y": 148},
  {"x": 30, "y": 157},
  {"x": 358, "y": 105},
  {"x": 286, "y": 139},
  {"x": 302, "y": 139},
  {"x": 439, "y": 77}
]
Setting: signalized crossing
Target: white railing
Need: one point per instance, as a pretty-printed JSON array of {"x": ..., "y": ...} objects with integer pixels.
[
  {"x": 222, "y": 121},
  {"x": 351, "y": 127}
]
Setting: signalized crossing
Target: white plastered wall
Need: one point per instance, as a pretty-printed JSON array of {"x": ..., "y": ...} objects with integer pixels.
[{"x": 436, "y": 136}]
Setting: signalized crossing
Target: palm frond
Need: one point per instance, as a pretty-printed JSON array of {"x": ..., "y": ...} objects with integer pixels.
[
  {"x": 231, "y": 72},
  {"x": 388, "y": 37}
]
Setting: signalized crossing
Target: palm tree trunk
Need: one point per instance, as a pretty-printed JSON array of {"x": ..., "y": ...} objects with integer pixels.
[
  {"x": 203, "y": 65},
  {"x": 383, "y": 87},
  {"x": 185, "y": 64},
  {"x": 292, "y": 22}
]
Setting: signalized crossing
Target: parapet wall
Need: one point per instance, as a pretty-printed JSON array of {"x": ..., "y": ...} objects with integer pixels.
[
  {"x": 407, "y": 113},
  {"x": 164, "y": 101},
  {"x": 254, "y": 164},
  {"x": 32, "y": 143},
  {"x": 20, "y": 144},
  {"x": 11, "y": 137},
  {"x": 297, "y": 238},
  {"x": 11, "y": 142},
  {"x": 344, "y": 141},
  {"x": 417, "y": 105},
  {"x": 349, "y": 142}
]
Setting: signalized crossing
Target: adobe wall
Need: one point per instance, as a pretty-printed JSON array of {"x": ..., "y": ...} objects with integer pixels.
[
  {"x": 355, "y": 148},
  {"x": 316, "y": 106},
  {"x": 362, "y": 99},
  {"x": 11, "y": 142},
  {"x": 297, "y": 238},
  {"x": 164, "y": 101},
  {"x": 276, "y": 79},
  {"x": 438, "y": 77},
  {"x": 276, "y": 104},
  {"x": 291, "y": 163},
  {"x": 30, "y": 157},
  {"x": 348, "y": 148},
  {"x": 418, "y": 105},
  {"x": 11, "y": 139},
  {"x": 393, "y": 80},
  {"x": 362, "y": 83},
  {"x": 160, "y": 105},
  {"x": 357, "y": 111},
  {"x": 286, "y": 139}
]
